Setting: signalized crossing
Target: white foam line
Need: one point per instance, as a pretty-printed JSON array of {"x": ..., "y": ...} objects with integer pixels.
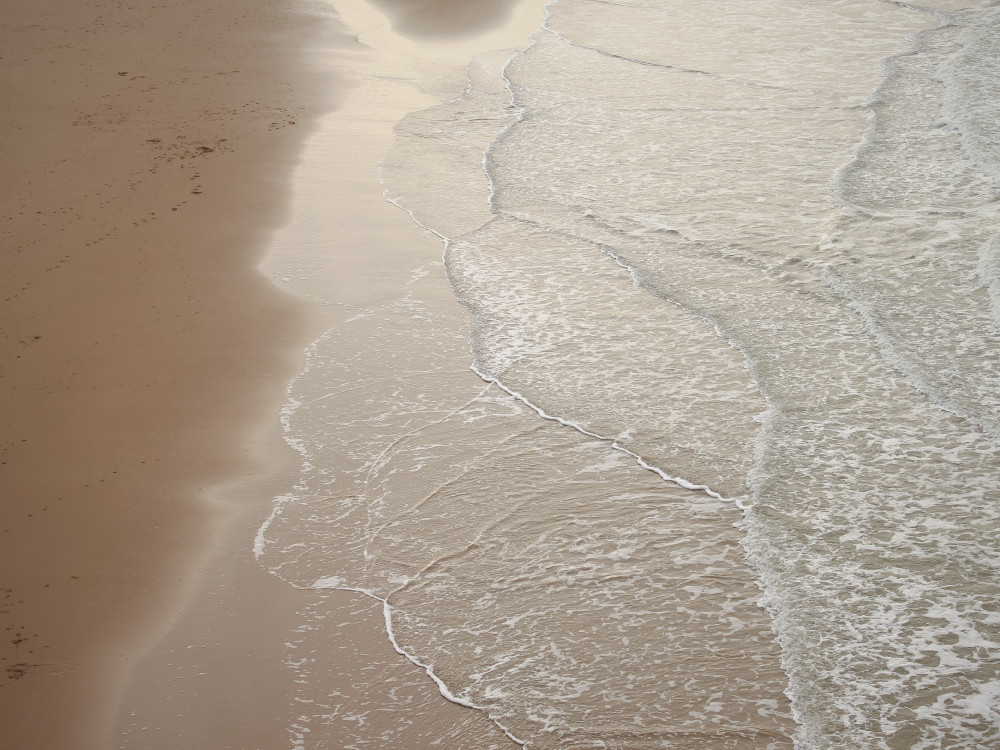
[
  {"x": 633, "y": 272},
  {"x": 428, "y": 668},
  {"x": 291, "y": 405},
  {"x": 891, "y": 354},
  {"x": 679, "y": 481},
  {"x": 466, "y": 91},
  {"x": 397, "y": 204},
  {"x": 386, "y": 607},
  {"x": 747, "y": 363}
]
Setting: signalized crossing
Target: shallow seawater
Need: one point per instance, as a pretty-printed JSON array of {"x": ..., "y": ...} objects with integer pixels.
[{"x": 725, "y": 471}]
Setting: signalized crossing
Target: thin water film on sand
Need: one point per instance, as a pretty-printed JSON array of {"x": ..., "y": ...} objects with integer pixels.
[{"x": 749, "y": 246}]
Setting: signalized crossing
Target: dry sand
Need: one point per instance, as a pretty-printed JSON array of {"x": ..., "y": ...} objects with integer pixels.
[{"x": 148, "y": 153}]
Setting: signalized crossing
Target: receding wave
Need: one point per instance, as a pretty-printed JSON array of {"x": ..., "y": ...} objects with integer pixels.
[{"x": 750, "y": 246}]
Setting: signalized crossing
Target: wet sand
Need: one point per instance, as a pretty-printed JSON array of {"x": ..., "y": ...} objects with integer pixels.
[
  {"x": 235, "y": 653},
  {"x": 147, "y": 152},
  {"x": 148, "y": 158}
]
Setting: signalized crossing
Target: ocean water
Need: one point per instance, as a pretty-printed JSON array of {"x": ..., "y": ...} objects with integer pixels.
[{"x": 725, "y": 470}]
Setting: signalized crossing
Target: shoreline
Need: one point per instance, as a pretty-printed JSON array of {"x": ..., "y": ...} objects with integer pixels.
[
  {"x": 345, "y": 248},
  {"x": 349, "y": 249},
  {"x": 149, "y": 155}
]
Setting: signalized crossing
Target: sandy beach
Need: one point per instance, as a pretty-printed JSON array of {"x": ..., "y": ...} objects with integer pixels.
[
  {"x": 147, "y": 153},
  {"x": 149, "y": 156},
  {"x": 344, "y": 248},
  {"x": 375, "y": 378}
]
